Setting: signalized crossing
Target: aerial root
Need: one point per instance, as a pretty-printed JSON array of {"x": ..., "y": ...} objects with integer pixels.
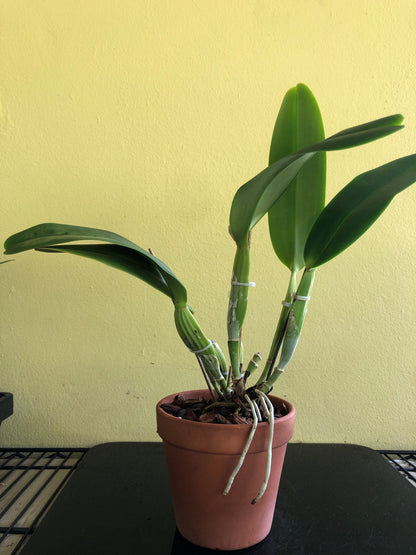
[
  {"x": 246, "y": 447},
  {"x": 269, "y": 411}
]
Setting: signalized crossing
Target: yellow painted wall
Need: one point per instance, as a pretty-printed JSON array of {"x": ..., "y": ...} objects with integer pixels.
[{"x": 143, "y": 117}]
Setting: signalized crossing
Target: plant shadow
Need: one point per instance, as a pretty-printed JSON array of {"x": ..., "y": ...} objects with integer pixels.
[{"x": 181, "y": 546}]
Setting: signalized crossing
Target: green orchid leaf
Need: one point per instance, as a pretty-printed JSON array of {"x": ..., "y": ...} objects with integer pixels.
[
  {"x": 355, "y": 208},
  {"x": 395, "y": 120},
  {"x": 255, "y": 198},
  {"x": 299, "y": 123},
  {"x": 44, "y": 235},
  {"x": 122, "y": 258},
  {"x": 342, "y": 141},
  {"x": 117, "y": 252}
]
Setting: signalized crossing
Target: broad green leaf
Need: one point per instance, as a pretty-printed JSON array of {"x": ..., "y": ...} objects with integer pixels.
[
  {"x": 396, "y": 119},
  {"x": 255, "y": 198},
  {"x": 44, "y": 235},
  {"x": 119, "y": 253},
  {"x": 298, "y": 124},
  {"x": 355, "y": 208},
  {"x": 121, "y": 258},
  {"x": 342, "y": 140}
]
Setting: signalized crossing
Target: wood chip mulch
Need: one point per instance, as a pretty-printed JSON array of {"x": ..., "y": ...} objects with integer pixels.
[{"x": 219, "y": 412}]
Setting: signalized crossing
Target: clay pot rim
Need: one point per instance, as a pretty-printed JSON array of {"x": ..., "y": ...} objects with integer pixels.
[{"x": 209, "y": 425}]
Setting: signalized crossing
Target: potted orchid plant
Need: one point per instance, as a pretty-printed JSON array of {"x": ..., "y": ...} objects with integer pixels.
[{"x": 305, "y": 234}]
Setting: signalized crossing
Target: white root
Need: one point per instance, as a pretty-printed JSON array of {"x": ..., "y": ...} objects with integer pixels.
[
  {"x": 264, "y": 399},
  {"x": 256, "y": 408},
  {"x": 246, "y": 447},
  {"x": 265, "y": 407},
  {"x": 269, "y": 411}
]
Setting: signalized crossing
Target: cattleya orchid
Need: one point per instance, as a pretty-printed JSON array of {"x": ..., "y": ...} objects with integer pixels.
[{"x": 305, "y": 234}]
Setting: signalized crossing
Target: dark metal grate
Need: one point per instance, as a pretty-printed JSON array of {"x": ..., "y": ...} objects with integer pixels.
[
  {"x": 404, "y": 462},
  {"x": 30, "y": 479}
]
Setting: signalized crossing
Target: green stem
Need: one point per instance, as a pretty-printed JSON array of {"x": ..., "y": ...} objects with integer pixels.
[
  {"x": 267, "y": 385},
  {"x": 204, "y": 349},
  {"x": 252, "y": 365},
  {"x": 295, "y": 322},
  {"x": 280, "y": 330},
  {"x": 237, "y": 306}
]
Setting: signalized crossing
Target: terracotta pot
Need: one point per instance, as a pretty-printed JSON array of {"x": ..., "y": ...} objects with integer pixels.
[{"x": 200, "y": 458}]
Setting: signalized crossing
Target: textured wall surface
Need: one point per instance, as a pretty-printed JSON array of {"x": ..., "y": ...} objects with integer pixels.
[{"x": 144, "y": 117}]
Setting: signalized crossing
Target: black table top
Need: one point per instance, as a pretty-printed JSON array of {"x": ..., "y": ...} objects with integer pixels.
[{"x": 333, "y": 499}]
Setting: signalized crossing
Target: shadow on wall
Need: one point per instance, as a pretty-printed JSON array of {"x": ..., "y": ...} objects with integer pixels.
[{"x": 6, "y": 406}]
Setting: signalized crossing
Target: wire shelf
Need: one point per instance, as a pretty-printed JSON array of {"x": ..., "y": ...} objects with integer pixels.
[
  {"x": 30, "y": 480},
  {"x": 404, "y": 462}
]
